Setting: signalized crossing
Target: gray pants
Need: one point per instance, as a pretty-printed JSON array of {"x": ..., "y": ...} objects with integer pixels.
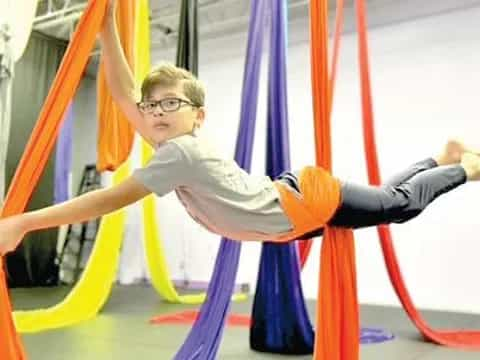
[{"x": 398, "y": 200}]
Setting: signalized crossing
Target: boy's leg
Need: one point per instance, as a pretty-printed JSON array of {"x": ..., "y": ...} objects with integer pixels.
[
  {"x": 364, "y": 206},
  {"x": 451, "y": 154},
  {"x": 411, "y": 171}
]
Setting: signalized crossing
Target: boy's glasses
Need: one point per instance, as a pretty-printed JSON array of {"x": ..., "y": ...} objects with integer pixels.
[{"x": 167, "y": 105}]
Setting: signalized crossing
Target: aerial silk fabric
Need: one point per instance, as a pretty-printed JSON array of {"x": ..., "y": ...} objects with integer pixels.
[
  {"x": 155, "y": 253},
  {"x": 11, "y": 347},
  {"x": 63, "y": 159},
  {"x": 280, "y": 322},
  {"x": 189, "y": 316},
  {"x": 322, "y": 124},
  {"x": 92, "y": 290},
  {"x": 337, "y": 332},
  {"x": 63, "y": 168},
  {"x": 187, "y": 48},
  {"x": 115, "y": 133},
  {"x": 454, "y": 338},
  {"x": 40, "y": 146},
  {"x": 337, "y": 324},
  {"x": 204, "y": 338}
]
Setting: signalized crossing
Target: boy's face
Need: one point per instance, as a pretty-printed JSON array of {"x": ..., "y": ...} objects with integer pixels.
[{"x": 168, "y": 113}]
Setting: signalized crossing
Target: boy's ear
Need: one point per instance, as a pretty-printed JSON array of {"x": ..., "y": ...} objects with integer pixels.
[{"x": 200, "y": 116}]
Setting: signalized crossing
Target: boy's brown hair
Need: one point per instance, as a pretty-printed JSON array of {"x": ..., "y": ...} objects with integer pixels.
[{"x": 166, "y": 74}]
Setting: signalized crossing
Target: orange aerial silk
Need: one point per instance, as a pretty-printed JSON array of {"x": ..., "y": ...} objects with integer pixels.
[
  {"x": 319, "y": 199},
  {"x": 465, "y": 339},
  {"x": 322, "y": 120},
  {"x": 337, "y": 330},
  {"x": 115, "y": 133},
  {"x": 39, "y": 148},
  {"x": 337, "y": 324}
]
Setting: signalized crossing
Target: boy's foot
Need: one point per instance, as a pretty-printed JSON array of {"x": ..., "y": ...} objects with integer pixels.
[
  {"x": 471, "y": 163},
  {"x": 453, "y": 152}
]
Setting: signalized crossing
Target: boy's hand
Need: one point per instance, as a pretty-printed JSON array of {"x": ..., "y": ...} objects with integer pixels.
[{"x": 12, "y": 231}]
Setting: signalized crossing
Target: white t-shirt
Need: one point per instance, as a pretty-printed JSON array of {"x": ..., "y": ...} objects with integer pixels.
[{"x": 215, "y": 191}]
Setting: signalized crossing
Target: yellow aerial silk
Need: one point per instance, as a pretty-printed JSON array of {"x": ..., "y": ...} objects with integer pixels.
[{"x": 92, "y": 290}]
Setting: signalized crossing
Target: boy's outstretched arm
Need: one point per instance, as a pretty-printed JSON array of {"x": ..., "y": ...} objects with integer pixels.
[{"x": 85, "y": 207}]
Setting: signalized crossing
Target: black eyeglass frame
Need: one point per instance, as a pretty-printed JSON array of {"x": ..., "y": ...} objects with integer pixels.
[{"x": 181, "y": 102}]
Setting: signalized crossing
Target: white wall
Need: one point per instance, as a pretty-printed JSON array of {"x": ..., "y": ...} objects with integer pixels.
[{"x": 425, "y": 80}]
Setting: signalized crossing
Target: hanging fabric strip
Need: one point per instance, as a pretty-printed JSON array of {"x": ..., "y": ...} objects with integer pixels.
[
  {"x": 11, "y": 348},
  {"x": 63, "y": 159},
  {"x": 63, "y": 167},
  {"x": 280, "y": 322},
  {"x": 187, "y": 46},
  {"x": 337, "y": 324},
  {"x": 321, "y": 124},
  {"x": 205, "y": 336},
  {"x": 454, "y": 338},
  {"x": 115, "y": 133},
  {"x": 39, "y": 147},
  {"x": 155, "y": 253}
]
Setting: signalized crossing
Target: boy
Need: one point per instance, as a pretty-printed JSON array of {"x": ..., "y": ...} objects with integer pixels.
[{"x": 220, "y": 195}]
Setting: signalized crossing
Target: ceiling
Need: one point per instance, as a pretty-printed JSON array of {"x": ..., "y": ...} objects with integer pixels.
[
  {"x": 220, "y": 18},
  {"x": 57, "y": 18}
]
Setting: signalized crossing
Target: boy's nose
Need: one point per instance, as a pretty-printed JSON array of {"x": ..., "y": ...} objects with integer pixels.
[{"x": 158, "y": 110}]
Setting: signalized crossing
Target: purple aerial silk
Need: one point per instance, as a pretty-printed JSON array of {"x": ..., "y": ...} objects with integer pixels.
[
  {"x": 63, "y": 159},
  {"x": 280, "y": 322},
  {"x": 205, "y": 336}
]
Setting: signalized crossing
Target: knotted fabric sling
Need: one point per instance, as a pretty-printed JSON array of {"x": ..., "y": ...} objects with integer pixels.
[{"x": 337, "y": 332}]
